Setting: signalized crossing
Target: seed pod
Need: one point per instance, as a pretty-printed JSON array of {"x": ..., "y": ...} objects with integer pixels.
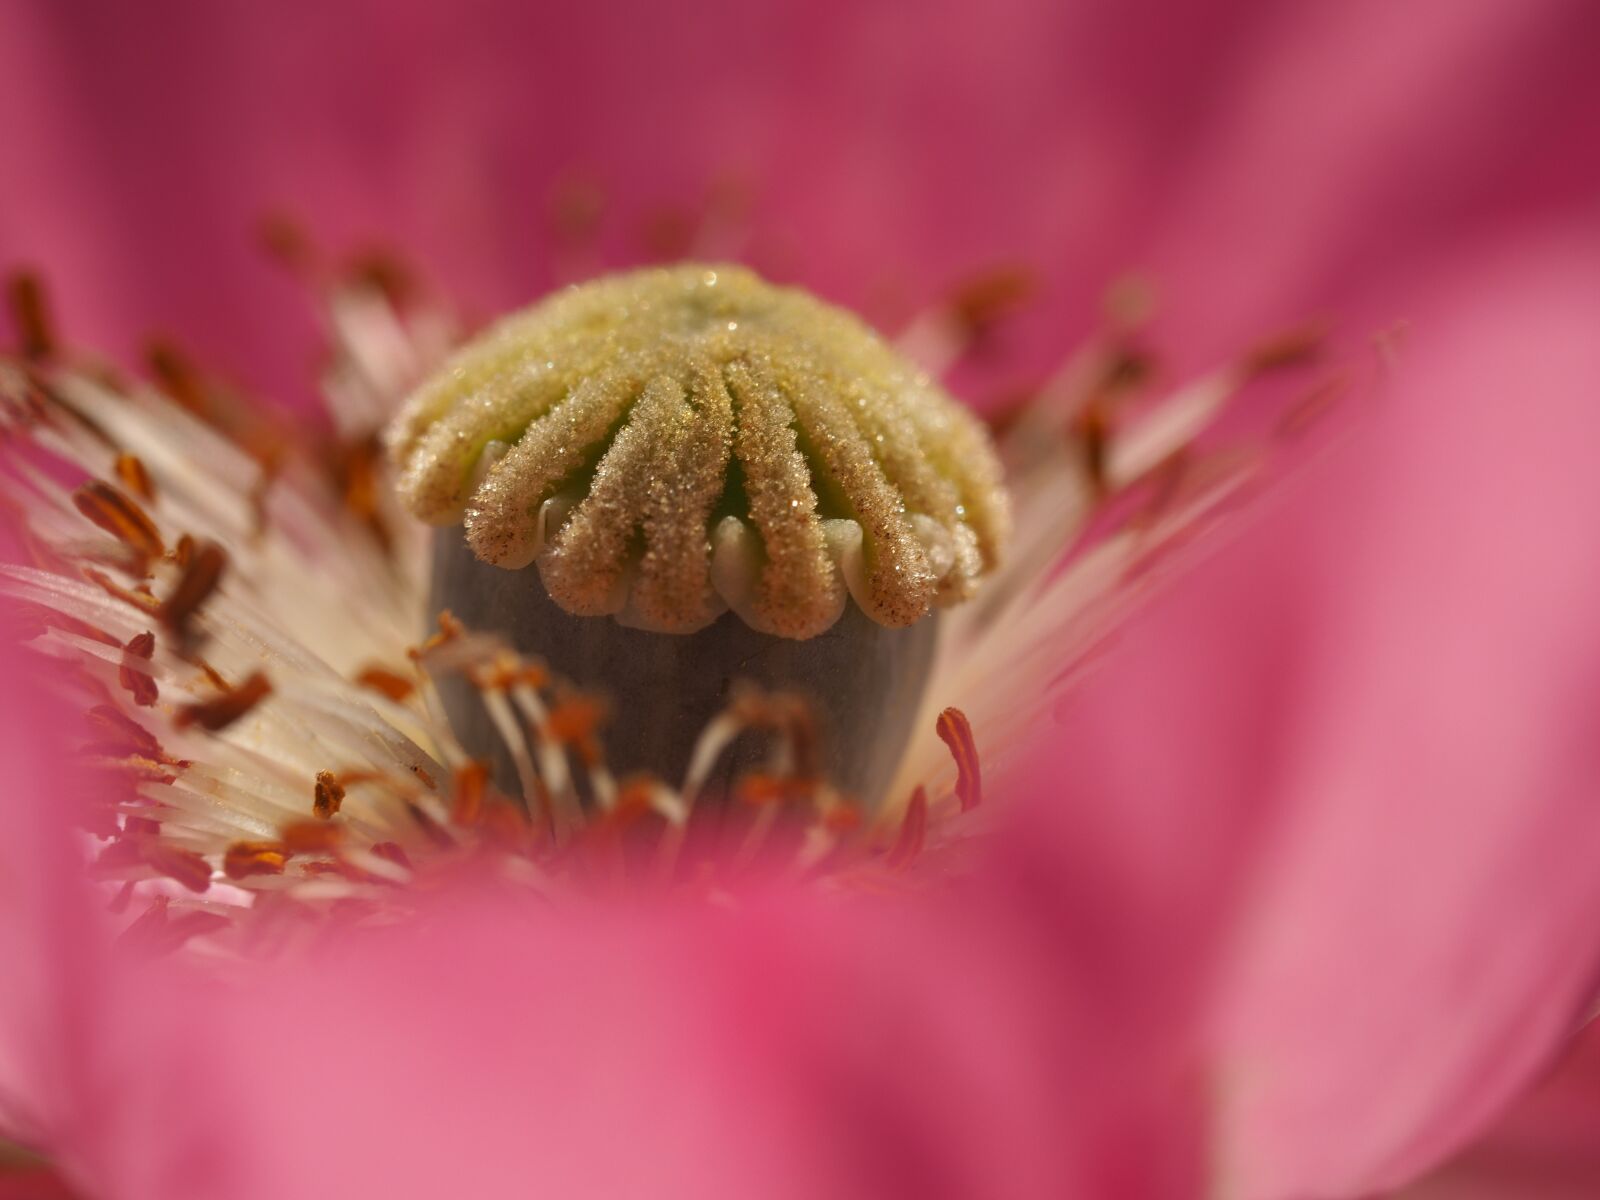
[{"x": 746, "y": 481}]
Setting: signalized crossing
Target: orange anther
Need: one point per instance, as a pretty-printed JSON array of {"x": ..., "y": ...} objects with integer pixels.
[
  {"x": 311, "y": 837},
  {"x": 244, "y": 859},
  {"x": 955, "y": 732},
  {"x": 132, "y": 475},
  {"x": 471, "y": 786},
  {"x": 389, "y": 683}
]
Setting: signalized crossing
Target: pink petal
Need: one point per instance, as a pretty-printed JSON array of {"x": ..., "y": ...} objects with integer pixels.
[
  {"x": 1545, "y": 1148},
  {"x": 1384, "y": 697},
  {"x": 798, "y": 1047},
  {"x": 1357, "y": 143}
]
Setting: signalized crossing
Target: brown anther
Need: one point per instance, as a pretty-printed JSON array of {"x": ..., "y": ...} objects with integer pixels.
[
  {"x": 327, "y": 795},
  {"x": 357, "y": 471},
  {"x": 149, "y": 769},
  {"x": 757, "y": 788},
  {"x": 25, "y": 297},
  {"x": 187, "y": 867},
  {"x": 388, "y": 683},
  {"x": 245, "y": 859},
  {"x": 140, "y": 685},
  {"x": 119, "y": 516},
  {"x": 216, "y": 715},
  {"x": 635, "y": 797},
  {"x": 311, "y": 837},
  {"x": 1127, "y": 369},
  {"x": 449, "y": 630},
  {"x": 955, "y": 731},
  {"x": 383, "y": 270},
  {"x": 575, "y": 720},
  {"x": 200, "y": 578},
  {"x": 913, "y": 831},
  {"x": 131, "y": 473},
  {"x": 141, "y": 597},
  {"x": 1292, "y": 348},
  {"x": 471, "y": 786},
  {"x": 392, "y": 852},
  {"x": 1094, "y": 442},
  {"x": 175, "y": 376},
  {"x": 125, "y": 736},
  {"x": 982, "y": 302},
  {"x": 283, "y": 238}
]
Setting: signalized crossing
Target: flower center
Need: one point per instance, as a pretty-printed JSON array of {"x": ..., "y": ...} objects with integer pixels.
[{"x": 669, "y": 445}]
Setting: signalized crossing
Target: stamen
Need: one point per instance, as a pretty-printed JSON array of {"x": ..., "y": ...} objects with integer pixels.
[
  {"x": 216, "y": 715},
  {"x": 25, "y": 297},
  {"x": 956, "y": 732},
  {"x": 244, "y": 859},
  {"x": 312, "y": 837},
  {"x": 120, "y": 517},
  {"x": 139, "y": 684},
  {"x": 184, "y": 866},
  {"x": 387, "y": 683},
  {"x": 471, "y": 787},
  {"x": 327, "y": 795},
  {"x": 201, "y": 576},
  {"x": 133, "y": 476}
]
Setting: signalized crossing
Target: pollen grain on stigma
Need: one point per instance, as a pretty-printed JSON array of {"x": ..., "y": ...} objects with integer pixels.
[{"x": 238, "y": 607}]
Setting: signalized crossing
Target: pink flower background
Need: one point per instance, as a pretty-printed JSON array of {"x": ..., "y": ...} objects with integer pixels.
[{"x": 1295, "y": 898}]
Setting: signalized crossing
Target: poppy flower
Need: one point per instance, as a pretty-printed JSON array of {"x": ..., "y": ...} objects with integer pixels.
[{"x": 1283, "y": 890}]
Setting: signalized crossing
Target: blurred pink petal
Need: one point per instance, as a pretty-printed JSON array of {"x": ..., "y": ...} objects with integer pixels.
[
  {"x": 1544, "y": 1148},
  {"x": 1258, "y": 160},
  {"x": 1422, "y": 934},
  {"x": 1396, "y": 674},
  {"x": 48, "y": 992},
  {"x": 802, "y": 1046}
]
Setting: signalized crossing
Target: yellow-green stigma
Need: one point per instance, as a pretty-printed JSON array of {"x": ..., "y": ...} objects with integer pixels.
[{"x": 668, "y": 444}]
